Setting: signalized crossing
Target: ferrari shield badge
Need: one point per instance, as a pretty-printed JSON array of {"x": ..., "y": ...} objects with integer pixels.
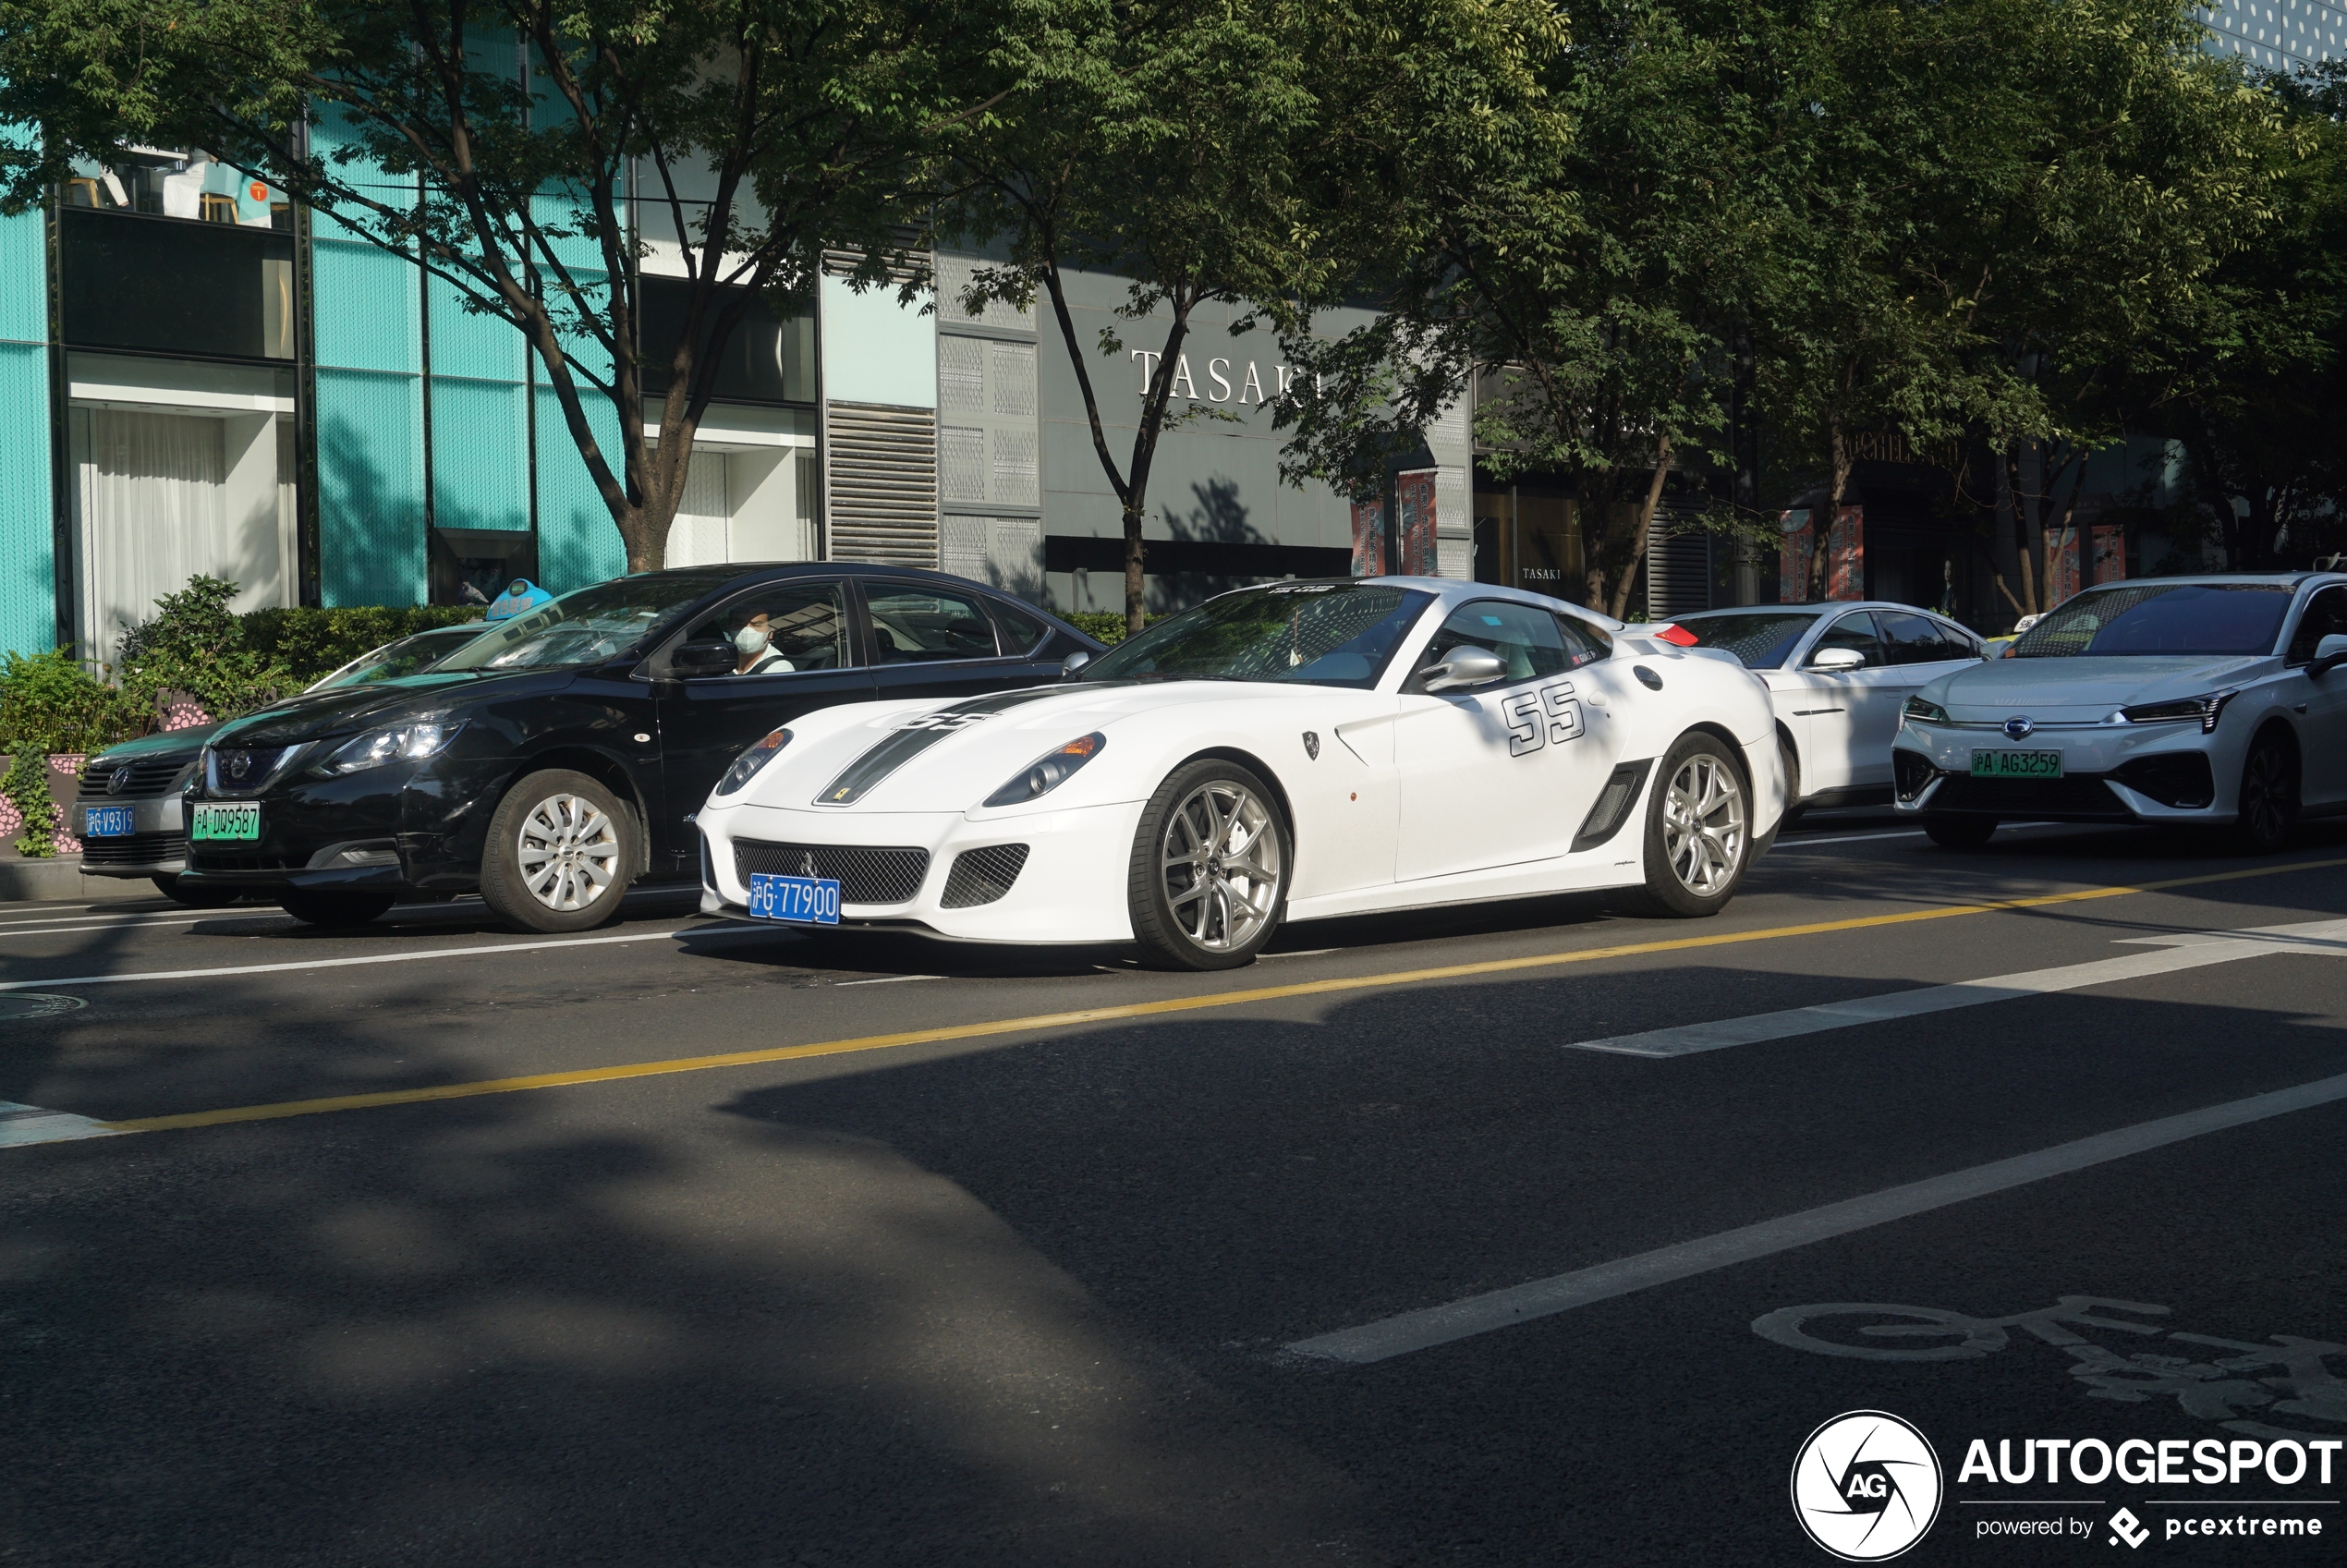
[{"x": 1311, "y": 745}]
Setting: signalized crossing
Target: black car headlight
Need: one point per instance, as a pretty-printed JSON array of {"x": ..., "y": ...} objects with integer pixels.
[
  {"x": 1048, "y": 772},
  {"x": 1930, "y": 713},
  {"x": 402, "y": 743},
  {"x": 770, "y": 746},
  {"x": 2182, "y": 710}
]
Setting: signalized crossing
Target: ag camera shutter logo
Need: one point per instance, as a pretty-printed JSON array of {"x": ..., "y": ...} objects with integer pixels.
[{"x": 1866, "y": 1485}]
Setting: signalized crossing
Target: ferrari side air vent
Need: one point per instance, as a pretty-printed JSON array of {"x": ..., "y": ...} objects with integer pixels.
[
  {"x": 1605, "y": 818},
  {"x": 981, "y": 876}
]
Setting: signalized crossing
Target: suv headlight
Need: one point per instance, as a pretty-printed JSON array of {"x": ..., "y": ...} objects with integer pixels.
[
  {"x": 1930, "y": 713},
  {"x": 1048, "y": 772},
  {"x": 2206, "y": 710},
  {"x": 405, "y": 743},
  {"x": 746, "y": 766}
]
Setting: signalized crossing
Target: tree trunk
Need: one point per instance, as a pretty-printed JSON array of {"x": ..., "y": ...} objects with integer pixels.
[
  {"x": 1134, "y": 605},
  {"x": 1821, "y": 529},
  {"x": 1638, "y": 536}
]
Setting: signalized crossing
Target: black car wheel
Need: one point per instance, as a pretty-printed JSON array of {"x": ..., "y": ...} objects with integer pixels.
[
  {"x": 1959, "y": 832},
  {"x": 2268, "y": 805},
  {"x": 1793, "y": 807},
  {"x": 196, "y": 895},
  {"x": 335, "y": 910},
  {"x": 1699, "y": 833},
  {"x": 1209, "y": 876},
  {"x": 562, "y": 851}
]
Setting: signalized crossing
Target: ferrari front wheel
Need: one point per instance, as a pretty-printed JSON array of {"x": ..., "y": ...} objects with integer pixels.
[
  {"x": 1699, "y": 837},
  {"x": 1210, "y": 869}
]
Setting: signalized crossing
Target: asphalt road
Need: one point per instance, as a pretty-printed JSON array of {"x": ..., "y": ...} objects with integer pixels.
[{"x": 1039, "y": 1258}]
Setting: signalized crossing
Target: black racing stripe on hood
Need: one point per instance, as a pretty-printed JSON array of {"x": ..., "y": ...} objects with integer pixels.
[{"x": 917, "y": 735}]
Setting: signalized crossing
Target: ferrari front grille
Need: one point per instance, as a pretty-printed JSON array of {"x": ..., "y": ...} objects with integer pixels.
[
  {"x": 981, "y": 876},
  {"x": 865, "y": 875}
]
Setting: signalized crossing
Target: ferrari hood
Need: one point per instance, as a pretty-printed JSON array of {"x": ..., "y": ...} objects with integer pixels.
[
  {"x": 951, "y": 756},
  {"x": 2080, "y": 690}
]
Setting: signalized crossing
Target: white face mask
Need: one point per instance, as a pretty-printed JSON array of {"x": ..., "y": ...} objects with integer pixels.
[{"x": 749, "y": 640}]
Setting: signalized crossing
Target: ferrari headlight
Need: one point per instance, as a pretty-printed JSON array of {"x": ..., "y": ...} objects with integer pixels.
[
  {"x": 1048, "y": 772},
  {"x": 1930, "y": 713},
  {"x": 407, "y": 743},
  {"x": 2182, "y": 710},
  {"x": 746, "y": 766}
]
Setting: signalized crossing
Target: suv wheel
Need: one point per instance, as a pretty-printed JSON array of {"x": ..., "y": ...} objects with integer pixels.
[
  {"x": 561, "y": 850},
  {"x": 2268, "y": 803}
]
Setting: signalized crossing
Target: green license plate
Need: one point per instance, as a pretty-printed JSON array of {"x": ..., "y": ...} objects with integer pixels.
[
  {"x": 212, "y": 819},
  {"x": 2016, "y": 764}
]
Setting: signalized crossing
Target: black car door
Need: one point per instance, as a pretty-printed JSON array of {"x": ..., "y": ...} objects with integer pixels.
[
  {"x": 930, "y": 639},
  {"x": 809, "y": 662}
]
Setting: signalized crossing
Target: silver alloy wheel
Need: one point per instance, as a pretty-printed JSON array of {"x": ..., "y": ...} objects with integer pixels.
[
  {"x": 568, "y": 852},
  {"x": 1220, "y": 866},
  {"x": 1703, "y": 832}
]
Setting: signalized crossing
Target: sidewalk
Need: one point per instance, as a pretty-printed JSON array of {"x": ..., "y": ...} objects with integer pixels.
[{"x": 21, "y": 881}]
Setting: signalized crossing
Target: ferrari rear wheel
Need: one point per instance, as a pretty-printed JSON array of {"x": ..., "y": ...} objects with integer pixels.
[
  {"x": 1210, "y": 870},
  {"x": 1699, "y": 838}
]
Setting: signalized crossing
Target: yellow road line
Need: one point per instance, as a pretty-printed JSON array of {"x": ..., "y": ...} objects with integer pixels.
[{"x": 1148, "y": 1009}]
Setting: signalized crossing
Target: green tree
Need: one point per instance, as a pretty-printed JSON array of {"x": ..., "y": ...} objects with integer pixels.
[
  {"x": 498, "y": 145},
  {"x": 1154, "y": 141}
]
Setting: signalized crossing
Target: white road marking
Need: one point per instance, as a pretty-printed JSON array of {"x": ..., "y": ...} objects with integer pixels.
[
  {"x": 2184, "y": 951},
  {"x": 886, "y": 980},
  {"x": 155, "y": 925},
  {"x": 376, "y": 958},
  {"x": 1562, "y": 1292},
  {"x": 30, "y": 1123}
]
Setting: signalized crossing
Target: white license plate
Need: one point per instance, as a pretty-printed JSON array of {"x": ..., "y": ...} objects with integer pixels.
[
  {"x": 225, "y": 820},
  {"x": 801, "y": 901},
  {"x": 105, "y": 821}
]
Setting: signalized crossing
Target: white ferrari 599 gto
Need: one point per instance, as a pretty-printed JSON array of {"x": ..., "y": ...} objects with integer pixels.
[{"x": 1288, "y": 752}]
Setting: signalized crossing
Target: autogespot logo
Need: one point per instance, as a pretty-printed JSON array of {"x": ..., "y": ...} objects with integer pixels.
[{"x": 1866, "y": 1486}]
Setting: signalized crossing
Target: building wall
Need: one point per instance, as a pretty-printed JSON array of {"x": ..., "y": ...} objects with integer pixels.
[
  {"x": 28, "y": 512},
  {"x": 2278, "y": 34}
]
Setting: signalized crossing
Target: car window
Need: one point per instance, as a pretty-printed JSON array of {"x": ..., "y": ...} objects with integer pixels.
[
  {"x": 1021, "y": 631},
  {"x": 1338, "y": 632},
  {"x": 1852, "y": 631},
  {"x": 1585, "y": 642},
  {"x": 1919, "y": 639},
  {"x": 913, "y": 624},
  {"x": 1764, "y": 639},
  {"x": 2155, "y": 618},
  {"x": 2326, "y": 616},
  {"x": 582, "y": 627},
  {"x": 779, "y": 629},
  {"x": 1527, "y": 638}
]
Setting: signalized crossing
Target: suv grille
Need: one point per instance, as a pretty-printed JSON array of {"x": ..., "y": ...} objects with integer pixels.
[
  {"x": 2079, "y": 795},
  {"x": 981, "y": 876},
  {"x": 133, "y": 849},
  {"x": 150, "y": 777},
  {"x": 865, "y": 876}
]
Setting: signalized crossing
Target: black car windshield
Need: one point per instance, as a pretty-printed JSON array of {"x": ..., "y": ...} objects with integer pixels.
[
  {"x": 587, "y": 627},
  {"x": 1317, "y": 633},
  {"x": 1762, "y": 639},
  {"x": 2143, "y": 619},
  {"x": 409, "y": 655}
]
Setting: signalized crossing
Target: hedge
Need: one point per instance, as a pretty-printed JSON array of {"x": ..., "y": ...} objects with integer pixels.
[{"x": 1103, "y": 625}]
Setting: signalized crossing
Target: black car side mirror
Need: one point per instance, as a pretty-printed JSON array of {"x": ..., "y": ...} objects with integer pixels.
[{"x": 702, "y": 659}]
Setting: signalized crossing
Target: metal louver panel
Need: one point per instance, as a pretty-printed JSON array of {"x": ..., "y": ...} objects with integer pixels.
[
  {"x": 883, "y": 478},
  {"x": 1678, "y": 570}
]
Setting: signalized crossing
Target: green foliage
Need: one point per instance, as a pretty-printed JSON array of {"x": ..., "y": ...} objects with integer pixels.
[
  {"x": 48, "y": 703},
  {"x": 27, "y": 785},
  {"x": 1101, "y": 625},
  {"x": 309, "y": 644},
  {"x": 196, "y": 644}
]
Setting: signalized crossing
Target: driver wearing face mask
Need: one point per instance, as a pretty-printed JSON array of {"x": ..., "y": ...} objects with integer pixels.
[{"x": 755, "y": 644}]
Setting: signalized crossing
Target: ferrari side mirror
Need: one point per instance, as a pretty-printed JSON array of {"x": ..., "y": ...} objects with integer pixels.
[{"x": 1465, "y": 667}]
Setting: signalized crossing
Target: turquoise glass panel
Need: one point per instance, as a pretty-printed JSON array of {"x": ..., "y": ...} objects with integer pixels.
[
  {"x": 368, "y": 309},
  {"x": 480, "y": 453},
  {"x": 578, "y": 543},
  {"x": 371, "y": 484},
  {"x": 24, "y": 280},
  {"x": 469, "y": 343},
  {"x": 29, "y": 597}
]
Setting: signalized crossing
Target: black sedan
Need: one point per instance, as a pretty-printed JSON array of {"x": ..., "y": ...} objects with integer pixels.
[{"x": 561, "y": 755}]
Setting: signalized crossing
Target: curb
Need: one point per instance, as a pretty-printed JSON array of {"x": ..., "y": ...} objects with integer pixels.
[{"x": 28, "y": 880}]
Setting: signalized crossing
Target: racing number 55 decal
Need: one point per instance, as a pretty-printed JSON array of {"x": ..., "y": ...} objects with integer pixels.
[{"x": 1539, "y": 716}]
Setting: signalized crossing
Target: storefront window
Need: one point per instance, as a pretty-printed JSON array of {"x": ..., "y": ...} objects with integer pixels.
[{"x": 1528, "y": 541}]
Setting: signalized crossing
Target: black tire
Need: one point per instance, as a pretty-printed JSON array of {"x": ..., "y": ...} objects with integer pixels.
[
  {"x": 1959, "y": 832},
  {"x": 2267, "y": 805},
  {"x": 577, "y": 884},
  {"x": 1698, "y": 841},
  {"x": 1188, "y": 911},
  {"x": 1793, "y": 807},
  {"x": 196, "y": 895},
  {"x": 334, "y": 909}
]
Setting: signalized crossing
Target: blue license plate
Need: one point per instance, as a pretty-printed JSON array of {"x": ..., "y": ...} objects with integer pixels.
[
  {"x": 105, "y": 821},
  {"x": 802, "y": 901}
]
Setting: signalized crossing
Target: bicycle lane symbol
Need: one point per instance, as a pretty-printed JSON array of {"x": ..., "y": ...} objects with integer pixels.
[{"x": 2290, "y": 1377}]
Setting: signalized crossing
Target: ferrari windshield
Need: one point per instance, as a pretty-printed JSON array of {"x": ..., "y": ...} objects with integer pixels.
[
  {"x": 587, "y": 627},
  {"x": 1762, "y": 639},
  {"x": 2209, "y": 619},
  {"x": 1317, "y": 633}
]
